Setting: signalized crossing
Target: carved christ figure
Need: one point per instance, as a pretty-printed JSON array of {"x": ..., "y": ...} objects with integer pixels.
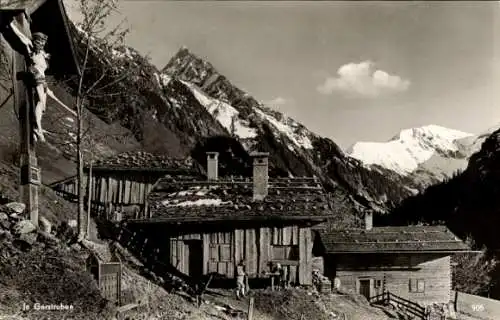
[{"x": 38, "y": 64}]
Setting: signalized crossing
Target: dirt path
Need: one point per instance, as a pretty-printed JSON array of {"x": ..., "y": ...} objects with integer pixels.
[{"x": 227, "y": 298}]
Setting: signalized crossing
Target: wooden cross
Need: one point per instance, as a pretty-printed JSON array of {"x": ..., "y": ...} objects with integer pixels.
[
  {"x": 30, "y": 176},
  {"x": 23, "y": 99}
]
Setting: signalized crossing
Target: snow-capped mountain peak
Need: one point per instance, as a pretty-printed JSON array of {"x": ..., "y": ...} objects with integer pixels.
[
  {"x": 235, "y": 109},
  {"x": 410, "y": 148}
]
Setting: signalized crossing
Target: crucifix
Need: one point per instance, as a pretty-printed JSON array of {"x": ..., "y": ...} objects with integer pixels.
[
  {"x": 29, "y": 63},
  {"x": 37, "y": 65}
]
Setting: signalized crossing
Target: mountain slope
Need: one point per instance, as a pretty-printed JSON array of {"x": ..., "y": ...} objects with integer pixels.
[{"x": 57, "y": 156}]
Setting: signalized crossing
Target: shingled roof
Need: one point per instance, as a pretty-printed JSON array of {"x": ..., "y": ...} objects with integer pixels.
[
  {"x": 186, "y": 198},
  {"x": 391, "y": 239},
  {"x": 144, "y": 161}
]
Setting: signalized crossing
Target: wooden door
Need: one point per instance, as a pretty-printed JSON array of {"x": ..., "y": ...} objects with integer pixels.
[
  {"x": 195, "y": 257},
  {"x": 364, "y": 287}
]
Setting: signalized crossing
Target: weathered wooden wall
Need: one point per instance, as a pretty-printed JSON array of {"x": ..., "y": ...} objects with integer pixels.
[
  {"x": 291, "y": 246},
  {"x": 394, "y": 273},
  {"x": 113, "y": 190}
]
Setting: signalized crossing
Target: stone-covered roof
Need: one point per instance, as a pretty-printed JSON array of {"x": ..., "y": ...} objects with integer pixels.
[
  {"x": 143, "y": 161},
  {"x": 187, "y": 198},
  {"x": 391, "y": 239}
]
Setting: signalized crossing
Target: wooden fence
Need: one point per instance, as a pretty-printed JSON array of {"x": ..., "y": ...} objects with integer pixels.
[{"x": 406, "y": 305}]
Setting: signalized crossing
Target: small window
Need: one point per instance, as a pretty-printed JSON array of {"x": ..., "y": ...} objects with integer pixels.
[
  {"x": 224, "y": 252},
  {"x": 214, "y": 252},
  {"x": 417, "y": 285},
  {"x": 420, "y": 285},
  {"x": 279, "y": 252},
  {"x": 285, "y": 252},
  {"x": 378, "y": 283}
]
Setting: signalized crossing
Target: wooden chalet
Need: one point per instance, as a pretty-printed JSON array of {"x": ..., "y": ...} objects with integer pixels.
[
  {"x": 209, "y": 225},
  {"x": 411, "y": 262},
  {"x": 122, "y": 182}
]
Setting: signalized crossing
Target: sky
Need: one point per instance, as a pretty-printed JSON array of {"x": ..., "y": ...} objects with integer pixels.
[{"x": 351, "y": 71}]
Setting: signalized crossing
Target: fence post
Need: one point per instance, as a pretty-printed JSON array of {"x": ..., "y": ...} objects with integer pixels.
[
  {"x": 250, "y": 308},
  {"x": 455, "y": 301}
]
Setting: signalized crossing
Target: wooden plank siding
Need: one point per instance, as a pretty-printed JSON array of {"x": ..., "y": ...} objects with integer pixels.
[
  {"x": 112, "y": 191},
  {"x": 398, "y": 275},
  {"x": 260, "y": 248}
]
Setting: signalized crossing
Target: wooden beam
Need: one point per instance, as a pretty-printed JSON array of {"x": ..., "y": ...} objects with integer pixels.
[{"x": 23, "y": 97}]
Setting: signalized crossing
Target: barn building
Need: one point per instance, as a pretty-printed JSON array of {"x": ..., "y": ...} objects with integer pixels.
[
  {"x": 209, "y": 225},
  {"x": 411, "y": 262},
  {"x": 122, "y": 182}
]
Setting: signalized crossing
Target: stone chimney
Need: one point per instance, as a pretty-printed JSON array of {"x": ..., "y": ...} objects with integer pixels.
[
  {"x": 368, "y": 220},
  {"x": 260, "y": 175},
  {"x": 212, "y": 165}
]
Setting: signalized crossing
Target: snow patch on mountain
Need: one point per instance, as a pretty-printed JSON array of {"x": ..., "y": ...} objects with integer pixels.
[
  {"x": 225, "y": 114},
  {"x": 412, "y": 147},
  {"x": 162, "y": 79},
  {"x": 290, "y": 128}
]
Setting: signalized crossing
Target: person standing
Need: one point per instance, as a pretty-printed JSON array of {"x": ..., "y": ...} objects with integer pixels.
[{"x": 240, "y": 279}]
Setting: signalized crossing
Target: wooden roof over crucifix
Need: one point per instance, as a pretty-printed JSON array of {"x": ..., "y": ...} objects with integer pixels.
[{"x": 50, "y": 18}]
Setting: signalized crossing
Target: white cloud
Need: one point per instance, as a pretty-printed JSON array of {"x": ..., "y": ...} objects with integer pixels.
[{"x": 363, "y": 79}]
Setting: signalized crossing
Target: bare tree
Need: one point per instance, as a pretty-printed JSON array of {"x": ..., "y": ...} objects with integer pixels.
[
  {"x": 5, "y": 73},
  {"x": 96, "y": 79}
]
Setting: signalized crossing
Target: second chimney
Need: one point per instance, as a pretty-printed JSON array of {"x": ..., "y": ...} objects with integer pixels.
[
  {"x": 260, "y": 175},
  {"x": 212, "y": 165},
  {"x": 368, "y": 220}
]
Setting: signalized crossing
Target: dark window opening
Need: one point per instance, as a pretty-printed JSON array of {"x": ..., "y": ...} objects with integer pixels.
[
  {"x": 417, "y": 285},
  {"x": 285, "y": 252}
]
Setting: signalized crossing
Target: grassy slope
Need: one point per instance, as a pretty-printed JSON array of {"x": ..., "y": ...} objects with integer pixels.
[
  {"x": 56, "y": 157},
  {"x": 48, "y": 275}
]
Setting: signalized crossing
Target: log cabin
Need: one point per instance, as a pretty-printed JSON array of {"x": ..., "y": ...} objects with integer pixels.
[
  {"x": 122, "y": 182},
  {"x": 412, "y": 262},
  {"x": 210, "y": 225}
]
